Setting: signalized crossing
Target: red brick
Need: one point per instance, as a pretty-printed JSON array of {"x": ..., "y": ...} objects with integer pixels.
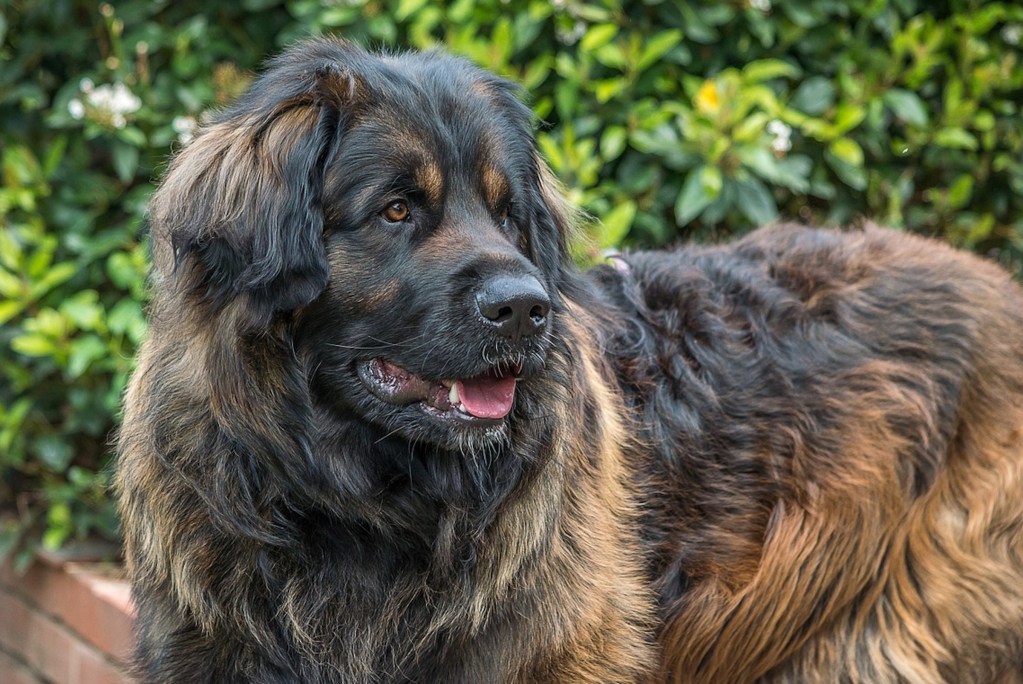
[
  {"x": 14, "y": 625},
  {"x": 104, "y": 613},
  {"x": 13, "y": 672},
  {"x": 35, "y": 637},
  {"x": 95, "y": 606},
  {"x": 88, "y": 666},
  {"x": 48, "y": 648}
]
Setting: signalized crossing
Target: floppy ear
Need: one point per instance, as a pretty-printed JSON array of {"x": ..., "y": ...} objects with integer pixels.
[
  {"x": 240, "y": 210},
  {"x": 554, "y": 223}
]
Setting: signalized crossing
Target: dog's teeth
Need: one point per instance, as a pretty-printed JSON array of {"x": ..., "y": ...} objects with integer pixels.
[{"x": 453, "y": 394}]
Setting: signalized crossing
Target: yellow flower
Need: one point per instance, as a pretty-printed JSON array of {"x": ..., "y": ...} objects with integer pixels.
[{"x": 707, "y": 101}]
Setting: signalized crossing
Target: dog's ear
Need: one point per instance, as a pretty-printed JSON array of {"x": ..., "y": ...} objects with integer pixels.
[
  {"x": 240, "y": 210},
  {"x": 554, "y": 223}
]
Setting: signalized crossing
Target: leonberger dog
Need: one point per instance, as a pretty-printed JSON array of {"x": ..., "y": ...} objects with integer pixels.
[{"x": 382, "y": 430}]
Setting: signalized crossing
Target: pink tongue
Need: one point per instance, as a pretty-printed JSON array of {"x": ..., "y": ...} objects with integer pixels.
[{"x": 487, "y": 397}]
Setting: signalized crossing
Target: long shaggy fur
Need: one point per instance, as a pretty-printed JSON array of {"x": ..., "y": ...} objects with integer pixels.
[{"x": 795, "y": 458}]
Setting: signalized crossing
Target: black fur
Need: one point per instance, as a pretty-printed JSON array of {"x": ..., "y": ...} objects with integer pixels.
[{"x": 768, "y": 460}]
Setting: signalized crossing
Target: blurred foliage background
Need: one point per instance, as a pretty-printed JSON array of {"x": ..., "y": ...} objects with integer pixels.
[{"x": 666, "y": 120}]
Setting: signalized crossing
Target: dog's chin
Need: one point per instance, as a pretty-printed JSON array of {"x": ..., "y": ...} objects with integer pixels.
[{"x": 458, "y": 413}]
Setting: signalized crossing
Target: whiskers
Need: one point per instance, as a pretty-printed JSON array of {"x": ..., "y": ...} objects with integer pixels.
[
  {"x": 529, "y": 359},
  {"x": 458, "y": 356},
  {"x": 409, "y": 345}
]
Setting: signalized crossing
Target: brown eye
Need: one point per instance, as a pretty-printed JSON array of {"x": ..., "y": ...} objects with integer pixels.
[
  {"x": 504, "y": 219},
  {"x": 396, "y": 212}
]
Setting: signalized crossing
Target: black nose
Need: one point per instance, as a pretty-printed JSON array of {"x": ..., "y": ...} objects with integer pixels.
[{"x": 517, "y": 306}]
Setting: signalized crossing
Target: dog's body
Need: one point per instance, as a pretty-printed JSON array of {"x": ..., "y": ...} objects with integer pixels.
[{"x": 382, "y": 432}]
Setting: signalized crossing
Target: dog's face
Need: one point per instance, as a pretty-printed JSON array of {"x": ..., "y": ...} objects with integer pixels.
[
  {"x": 437, "y": 307},
  {"x": 401, "y": 217}
]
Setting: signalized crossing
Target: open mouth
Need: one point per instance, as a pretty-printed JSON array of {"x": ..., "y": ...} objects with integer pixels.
[{"x": 481, "y": 400}]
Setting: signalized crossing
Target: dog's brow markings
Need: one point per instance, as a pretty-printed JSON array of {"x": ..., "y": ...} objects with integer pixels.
[
  {"x": 495, "y": 184},
  {"x": 430, "y": 180}
]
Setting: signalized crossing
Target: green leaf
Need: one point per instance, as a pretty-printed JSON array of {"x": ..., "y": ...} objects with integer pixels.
[
  {"x": 58, "y": 275},
  {"x": 549, "y": 147},
  {"x": 611, "y": 55},
  {"x": 566, "y": 98},
  {"x": 122, "y": 269},
  {"x": 32, "y": 344},
  {"x": 60, "y": 526},
  {"x": 848, "y": 117},
  {"x": 612, "y": 142},
  {"x": 406, "y": 8},
  {"x": 53, "y": 451},
  {"x": 535, "y": 74},
  {"x": 791, "y": 171},
  {"x": 767, "y": 69},
  {"x": 657, "y": 46},
  {"x": 696, "y": 29},
  {"x": 702, "y": 186},
  {"x": 616, "y": 224},
  {"x": 11, "y": 253},
  {"x": 11, "y": 286},
  {"x": 853, "y": 176},
  {"x": 755, "y": 202},
  {"x": 960, "y": 191},
  {"x": 13, "y": 418},
  {"x": 907, "y": 106},
  {"x": 54, "y": 155},
  {"x": 9, "y": 308},
  {"x": 82, "y": 353},
  {"x": 848, "y": 150},
  {"x": 609, "y": 88},
  {"x": 984, "y": 121},
  {"x": 126, "y": 318},
  {"x": 751, "y": 128},
  {"x": 126, "y": 160},
  {"x": 133, "y": 136},
  {"x": 21, "y": 167},
  {"x": 598, "y": 35},
  {"x": 956, "y": 138},
  {"x": 814, "y": 96},
  {"x": 83, "y": 309},
  {"x": 39, "y": 263}
]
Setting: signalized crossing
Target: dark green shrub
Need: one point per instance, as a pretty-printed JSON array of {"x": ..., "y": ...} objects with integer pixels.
[
  {"x": 92, "y": 99},
  {"x": 665, "y": 119}
]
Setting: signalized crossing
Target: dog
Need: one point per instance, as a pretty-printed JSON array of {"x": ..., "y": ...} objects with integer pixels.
[{"x": 383, "y": 430}]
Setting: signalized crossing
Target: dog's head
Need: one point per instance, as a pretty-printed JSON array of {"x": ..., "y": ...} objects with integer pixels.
[{"x": 394, "y": 211}]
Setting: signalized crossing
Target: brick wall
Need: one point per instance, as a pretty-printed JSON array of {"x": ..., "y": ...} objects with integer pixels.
[{"x": 64, "y": 622}]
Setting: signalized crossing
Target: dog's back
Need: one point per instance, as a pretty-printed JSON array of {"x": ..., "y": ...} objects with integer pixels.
[
  {"x": 835, "y": 464},
  {"x": 371, "y": 437}
]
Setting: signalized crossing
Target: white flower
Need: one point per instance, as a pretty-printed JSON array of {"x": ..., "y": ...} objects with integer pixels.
[
  {"x": 571, "y": 36},
  {"x": 185, "y": 127},
  {"x": 782, "y": 136},
  {"x": 114, "y": 99},
  {"x": 761, "y": 5},
  {"x": 107, "y": 104},
  {"x": 76, "y": 109},
  {"x": 1012, "y": 33}
]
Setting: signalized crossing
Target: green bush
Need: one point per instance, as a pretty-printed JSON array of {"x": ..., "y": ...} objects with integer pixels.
[{"x": 665, "y": 119}]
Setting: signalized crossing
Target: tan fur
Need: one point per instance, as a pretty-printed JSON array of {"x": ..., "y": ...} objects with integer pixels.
[
  {"x": 895, "y": 587},
  {"x": 794, "y": 459}
]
